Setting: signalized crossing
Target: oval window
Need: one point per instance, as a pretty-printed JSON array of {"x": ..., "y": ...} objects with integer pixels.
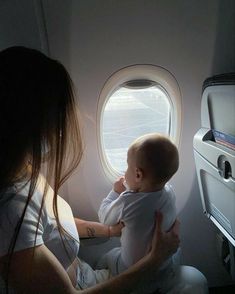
[{"x": 133, "y": 108}]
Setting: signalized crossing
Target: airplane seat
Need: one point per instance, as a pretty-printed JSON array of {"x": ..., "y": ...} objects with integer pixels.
[{"x": 214, "y": 152}]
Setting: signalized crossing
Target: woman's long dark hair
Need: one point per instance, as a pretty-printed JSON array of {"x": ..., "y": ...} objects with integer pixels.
[{"x": 37, "y": 109}]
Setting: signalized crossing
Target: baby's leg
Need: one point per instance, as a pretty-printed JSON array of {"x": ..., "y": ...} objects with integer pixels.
[
  {"x": 181, "y": 280},
  {"x": 87, "y": 277},
  {"x": 176, "y": 280},
  {"x": 112, "y": 261},
  {"x": 188, "y": 280}
]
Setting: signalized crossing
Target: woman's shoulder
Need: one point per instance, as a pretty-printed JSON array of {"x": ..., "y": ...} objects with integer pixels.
[
  {"x": 12, "y": 198},
  {"x": 14, "y": 205},
  {"x": 13, "y": 202},
  {"x": 15, "y": 197}
]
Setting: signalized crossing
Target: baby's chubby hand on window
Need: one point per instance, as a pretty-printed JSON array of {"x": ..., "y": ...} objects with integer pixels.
[{"x": 118, "y": 185}]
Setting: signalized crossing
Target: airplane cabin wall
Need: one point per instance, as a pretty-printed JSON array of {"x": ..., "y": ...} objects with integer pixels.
[
  {"x": 93, "y": 39},
  {"x": 19, "y": 24}
]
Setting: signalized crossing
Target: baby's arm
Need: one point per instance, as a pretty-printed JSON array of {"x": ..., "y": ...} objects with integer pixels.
[
  {"x": 118, "y": 185},
  {"x": 110, "y": 211}
]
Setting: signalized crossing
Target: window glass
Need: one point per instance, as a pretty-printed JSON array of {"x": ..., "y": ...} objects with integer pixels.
[{"x": 134, "y": 109}]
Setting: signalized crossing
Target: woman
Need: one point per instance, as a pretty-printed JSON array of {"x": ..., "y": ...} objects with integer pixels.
[{"x": 39, "y": 238}]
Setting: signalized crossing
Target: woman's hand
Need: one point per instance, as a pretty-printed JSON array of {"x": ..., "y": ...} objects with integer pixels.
[
  {"x": 164, "y": 244},
  {"x": 116, "y": 230}
]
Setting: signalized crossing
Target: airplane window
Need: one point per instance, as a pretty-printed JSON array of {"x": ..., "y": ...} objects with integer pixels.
[
  {"x": 134, "y": 101},
  {"x": 134, "y": 109}
]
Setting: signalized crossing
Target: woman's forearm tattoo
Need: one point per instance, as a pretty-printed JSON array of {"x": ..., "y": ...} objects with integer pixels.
[{"x": 90, "y": 232}]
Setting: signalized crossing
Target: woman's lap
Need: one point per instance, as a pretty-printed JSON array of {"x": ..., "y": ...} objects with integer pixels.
[{"x": 181, "y": 280}]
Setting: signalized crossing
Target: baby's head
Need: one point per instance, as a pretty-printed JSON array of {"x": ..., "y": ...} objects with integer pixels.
[{"x": 152, "y": 160}]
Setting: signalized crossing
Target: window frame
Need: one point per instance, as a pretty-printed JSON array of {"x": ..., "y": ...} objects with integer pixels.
[{"x": 161, "y": 77}]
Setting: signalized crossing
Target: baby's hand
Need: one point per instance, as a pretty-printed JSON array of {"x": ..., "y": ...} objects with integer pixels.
[{"x": 118, "y": 186}]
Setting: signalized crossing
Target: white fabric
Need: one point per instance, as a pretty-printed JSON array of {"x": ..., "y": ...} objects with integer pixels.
[
  {"x": 10, "y": 213},
  {"x": 11, "y": 207},
  {"x": 188, "y": 280},
  {"x": 137, "y": 211},
  {"x": 87, "y": 277},
  {"x": 179, "y": 280},
  {"x": 48, "y": 234}
]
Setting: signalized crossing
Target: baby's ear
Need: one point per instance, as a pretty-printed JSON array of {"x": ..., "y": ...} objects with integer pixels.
[{"x": 139, "y": 174}]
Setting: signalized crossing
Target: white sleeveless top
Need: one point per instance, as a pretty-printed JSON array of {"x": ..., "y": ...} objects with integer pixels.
[{"x": 12, "y": 203}]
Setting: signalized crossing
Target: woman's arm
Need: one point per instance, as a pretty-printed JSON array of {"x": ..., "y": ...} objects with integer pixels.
[
  {"x": 89, "y": 229},
  {"x": 38, "y": 270}
]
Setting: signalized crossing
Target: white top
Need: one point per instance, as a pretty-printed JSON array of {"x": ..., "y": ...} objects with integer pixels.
[
  {"x": 12, "y": 204},
  {"x": 137, "y": 211}
]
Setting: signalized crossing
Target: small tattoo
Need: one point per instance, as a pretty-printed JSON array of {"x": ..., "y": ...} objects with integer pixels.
[{"x": 90, "y": 232}]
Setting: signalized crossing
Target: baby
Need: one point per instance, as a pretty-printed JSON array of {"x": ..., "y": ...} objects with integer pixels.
[{"x": 152, "y": 160}]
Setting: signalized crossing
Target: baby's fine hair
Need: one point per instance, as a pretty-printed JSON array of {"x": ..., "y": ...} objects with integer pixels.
[{"x": 156, "y": 155}]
